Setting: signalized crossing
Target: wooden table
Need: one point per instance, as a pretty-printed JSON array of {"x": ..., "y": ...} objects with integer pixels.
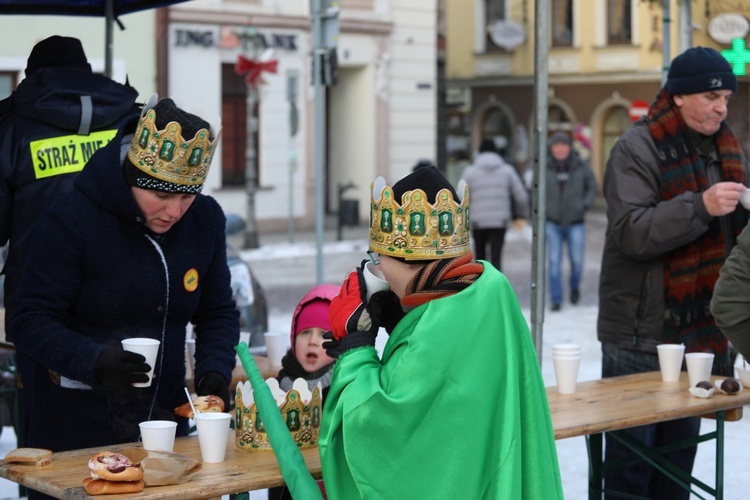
[
  {"x": 241, "y": 471},
  {"x": 609, "y": 405},
  {"x": 618, "y": 403}
]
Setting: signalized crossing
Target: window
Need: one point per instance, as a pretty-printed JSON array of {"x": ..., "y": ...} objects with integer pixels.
[
  {"x": 616, "y": 122},
  {"x": 494, "y": 10},
  {"x": 7, "y": 84},
  {"x": 497, "y": 126},
  {"x": 619, "y": 21},
  {"x": 562, "y": 23},
  {"x": 234, "y": 132}
]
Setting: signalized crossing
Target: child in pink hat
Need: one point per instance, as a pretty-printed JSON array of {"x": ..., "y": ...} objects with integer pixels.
[{"x": 306, "y": 358}]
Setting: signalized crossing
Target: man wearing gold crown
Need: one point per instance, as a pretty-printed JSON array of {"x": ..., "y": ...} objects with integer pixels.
[
  {"x": 133, "y": 251},
  {"x": 456, "y": 407}
]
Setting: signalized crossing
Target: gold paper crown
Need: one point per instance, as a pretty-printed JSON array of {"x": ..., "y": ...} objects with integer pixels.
[
  {"x": 417, "y": 229},
  {"x": 302, "y": 417},
  {"x": 167, "y": 156}
]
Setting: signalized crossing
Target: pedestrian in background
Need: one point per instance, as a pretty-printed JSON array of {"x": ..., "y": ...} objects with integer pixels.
[
  {"x": 497, "y": 192},
  {"x": 56, "y": 118},
  {"x": 571, "y": 190},
  {"x": 672, "y": 185}
]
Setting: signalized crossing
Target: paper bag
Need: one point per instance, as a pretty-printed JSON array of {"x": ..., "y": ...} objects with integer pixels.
[{"x": 164, "y": 467}]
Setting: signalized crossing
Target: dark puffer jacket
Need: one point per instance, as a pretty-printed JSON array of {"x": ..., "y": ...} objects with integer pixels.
[
  {"x": 100, "y": 276},
  {"x": 569, "y": 205},
  {"x": 47, "y": 133}
]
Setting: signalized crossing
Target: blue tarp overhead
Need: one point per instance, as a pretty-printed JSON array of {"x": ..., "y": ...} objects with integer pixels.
[
  {"x": 108, "y": 9},
  {"x": 78, "y": 7}
]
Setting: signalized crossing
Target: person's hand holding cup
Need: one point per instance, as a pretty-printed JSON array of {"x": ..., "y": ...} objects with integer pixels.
[{"x": 148, "y": 348}]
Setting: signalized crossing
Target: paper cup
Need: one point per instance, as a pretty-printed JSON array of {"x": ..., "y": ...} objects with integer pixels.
[
  {"x": 745, "y": 199},
  {"x": 158, "y": 435},
  {"x": 374, "y": 280},
  {"x": 213, "y": 431},
  {"x": 149, "y": 348},
  {"x": 670, "y": 361},
  {"x": 190, "y": 345},
  {"x": 699, "y": 365},
  {"x": 275, "y": 348},
  {"x": 566, "y": 373},
  {"x": 566, "y": 349}
]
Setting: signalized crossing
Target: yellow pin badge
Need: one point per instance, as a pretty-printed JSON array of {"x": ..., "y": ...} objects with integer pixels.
[{"x": 190, "y": 280}]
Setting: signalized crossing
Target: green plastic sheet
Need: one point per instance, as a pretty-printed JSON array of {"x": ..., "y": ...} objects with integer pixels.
[{"x": 298, "y": 479}]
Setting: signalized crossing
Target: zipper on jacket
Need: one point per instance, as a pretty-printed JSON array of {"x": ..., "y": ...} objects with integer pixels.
[{"x": 639, "y": 310}]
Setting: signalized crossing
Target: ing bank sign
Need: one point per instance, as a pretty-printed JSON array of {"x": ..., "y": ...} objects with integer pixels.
[{"x": 229, "y": 37}]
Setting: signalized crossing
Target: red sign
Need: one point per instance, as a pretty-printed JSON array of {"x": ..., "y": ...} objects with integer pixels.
[{"x": 637, "y": 109}]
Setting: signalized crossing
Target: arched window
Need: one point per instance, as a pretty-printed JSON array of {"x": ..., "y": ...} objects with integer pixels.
[
  {"x": 559, "y": 120},
  {"x": 616, "y": 122},
  {"x": 498, "y": 127}
]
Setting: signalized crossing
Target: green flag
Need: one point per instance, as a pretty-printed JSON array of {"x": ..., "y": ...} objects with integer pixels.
[{"x": 298, "y": 479}]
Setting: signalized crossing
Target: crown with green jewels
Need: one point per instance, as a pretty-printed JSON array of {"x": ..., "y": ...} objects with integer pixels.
[
  {"x": 417, "y": 229},
  {"x": 167, "y": 156},
  {"x": 300, "y": 408}
]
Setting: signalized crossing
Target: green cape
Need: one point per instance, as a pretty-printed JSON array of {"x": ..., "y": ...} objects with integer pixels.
[{"x": 456, "y": 409}]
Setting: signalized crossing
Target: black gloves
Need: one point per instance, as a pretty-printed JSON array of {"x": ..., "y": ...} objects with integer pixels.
[
  {"x": 212, "y": 383},
  {"x": 335, "y": 348},
  {"x": 385, "y": 309},
  {"x": 120, "y": 368}
]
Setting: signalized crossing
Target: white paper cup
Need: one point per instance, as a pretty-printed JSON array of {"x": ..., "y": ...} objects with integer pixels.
[
  {"x": 566, "y": 349},
  {"x": 245, "y": 337},
  {"x": 566, "y": 373},
  {"x": 190, "y": 345},
  {"x": 374, "y": 280},
  {"x": 745, "y": 199},
  {"x": 699, "y": 365},
  {"x": 158, "y": 434},
  {"x": 149, "y": 348},
  {"x": 213, "y": 431},
  {"x": 275, "y": 348},
  {"x": 670, "y": 361}
]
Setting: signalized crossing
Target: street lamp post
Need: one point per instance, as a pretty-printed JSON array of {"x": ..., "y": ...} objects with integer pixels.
[{"x": 253, "y": 69}]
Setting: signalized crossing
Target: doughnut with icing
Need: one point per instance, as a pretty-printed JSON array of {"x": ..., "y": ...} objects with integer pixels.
[{"x": 113, "y": 466}]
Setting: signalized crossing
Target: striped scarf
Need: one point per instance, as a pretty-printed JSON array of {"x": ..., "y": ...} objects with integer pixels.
[
  {"x": 441, "y": 278},
  {"x": 691, "y": 271}
]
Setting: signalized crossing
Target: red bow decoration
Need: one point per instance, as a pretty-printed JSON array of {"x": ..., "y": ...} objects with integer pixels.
[{"x": 254, "y": 69}]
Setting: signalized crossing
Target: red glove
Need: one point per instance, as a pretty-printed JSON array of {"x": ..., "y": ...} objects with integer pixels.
[{"x": 348, "y": 312}]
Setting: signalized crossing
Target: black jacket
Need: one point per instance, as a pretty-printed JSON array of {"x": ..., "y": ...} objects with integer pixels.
[{"x": 49, "y": 127}]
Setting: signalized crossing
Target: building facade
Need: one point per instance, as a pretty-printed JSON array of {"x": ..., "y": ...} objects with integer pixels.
[
  {"x": 380, "y": 117},
  {"x": 604, "y": 62}
]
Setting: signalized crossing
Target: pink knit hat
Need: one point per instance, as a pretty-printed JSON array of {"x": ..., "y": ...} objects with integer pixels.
[
  {"x": 313, "y": 314},
  {"x": 312, "y": 310}
]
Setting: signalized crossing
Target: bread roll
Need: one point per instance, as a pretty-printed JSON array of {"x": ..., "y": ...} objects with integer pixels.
[
  {"x": 114, "y": 467},
  {"x": 203, "y": 404},
  {"x": 102, "y": 487}
]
